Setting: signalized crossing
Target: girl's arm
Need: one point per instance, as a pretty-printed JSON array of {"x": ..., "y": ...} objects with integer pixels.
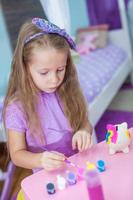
[
  {"x": 21, "y": 157},
  {"x": 88, "y": 127}
]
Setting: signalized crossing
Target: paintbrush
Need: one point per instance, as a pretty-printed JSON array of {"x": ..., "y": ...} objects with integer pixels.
[
  {"x": 66, "y": 160},
  {"x": 71, "y": 163}
]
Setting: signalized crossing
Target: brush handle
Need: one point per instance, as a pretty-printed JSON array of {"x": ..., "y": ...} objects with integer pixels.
[{"x": 70, "y": 163}]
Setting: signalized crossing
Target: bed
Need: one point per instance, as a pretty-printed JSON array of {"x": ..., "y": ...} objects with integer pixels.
[{"x": 102, "y": 72}]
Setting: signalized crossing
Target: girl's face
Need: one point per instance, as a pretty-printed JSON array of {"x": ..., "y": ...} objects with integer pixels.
[{"x": 47, "y": 69}]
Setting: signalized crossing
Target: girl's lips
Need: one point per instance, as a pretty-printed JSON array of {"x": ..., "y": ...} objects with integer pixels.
[{"x": 52, "y": 88}]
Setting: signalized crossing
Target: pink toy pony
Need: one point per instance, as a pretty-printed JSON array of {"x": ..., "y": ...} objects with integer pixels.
[
  {"x": 118, "y": 138},
  {"x": 87, "y": 44}
]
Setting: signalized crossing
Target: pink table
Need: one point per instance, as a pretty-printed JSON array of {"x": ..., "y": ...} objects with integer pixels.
[{"x": 117, "y": 180}]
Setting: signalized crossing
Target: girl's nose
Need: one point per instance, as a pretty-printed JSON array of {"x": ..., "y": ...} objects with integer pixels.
[{"x": 54, "y": 79}]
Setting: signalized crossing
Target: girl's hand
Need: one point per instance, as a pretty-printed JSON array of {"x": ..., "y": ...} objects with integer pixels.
[
  {"x": 52, "y": 160},
  {"x": 81, "y": 140}
]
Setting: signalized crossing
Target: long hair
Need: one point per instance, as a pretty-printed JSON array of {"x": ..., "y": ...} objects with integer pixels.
[{"x": 22, "y": 88}]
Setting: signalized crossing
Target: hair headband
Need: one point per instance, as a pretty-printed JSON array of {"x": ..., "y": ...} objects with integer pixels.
[{"x": 48, "y": 27}]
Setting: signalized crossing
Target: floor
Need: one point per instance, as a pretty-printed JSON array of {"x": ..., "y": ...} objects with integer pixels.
[{"x": 123, "y": 100}]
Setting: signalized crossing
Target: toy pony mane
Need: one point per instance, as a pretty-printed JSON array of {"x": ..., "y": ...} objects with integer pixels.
[{"x": 112, "y": 134}]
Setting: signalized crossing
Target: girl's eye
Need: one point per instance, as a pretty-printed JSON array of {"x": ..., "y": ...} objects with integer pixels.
[
  {"x": 44, "y": 73},
  {"x": 60, "y": 70}
]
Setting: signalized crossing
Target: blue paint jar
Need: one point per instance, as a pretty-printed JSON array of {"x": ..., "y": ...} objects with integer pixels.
[
  {"x": 71, "y": 178},
  {"x": 101, "y": 165},
  {"x": 50, "y": 188}
]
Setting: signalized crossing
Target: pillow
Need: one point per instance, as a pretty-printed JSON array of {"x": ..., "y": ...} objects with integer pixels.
[
  {"x": 100, "y": 31},
  {"x": 87, "y": 44}
]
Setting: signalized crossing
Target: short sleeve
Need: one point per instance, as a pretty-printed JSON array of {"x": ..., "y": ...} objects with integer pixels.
[{"x": 15, "y": 118}]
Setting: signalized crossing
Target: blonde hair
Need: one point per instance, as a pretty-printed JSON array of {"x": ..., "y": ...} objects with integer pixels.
[{"x": 22, "y": 88}]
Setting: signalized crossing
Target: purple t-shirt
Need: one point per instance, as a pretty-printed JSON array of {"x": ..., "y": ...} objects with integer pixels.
[{"x": 56, "y": 129}]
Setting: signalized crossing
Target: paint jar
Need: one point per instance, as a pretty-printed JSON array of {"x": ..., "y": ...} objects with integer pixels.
[
  {"x": 80, "y": 174},
  {"x": 94, "y": 186},
  {"x": 61, "y": 182},
  {"x": 101, "y": 165},
  {"x": 50, "y": 188},
  {"x": 71, "y": 178}
]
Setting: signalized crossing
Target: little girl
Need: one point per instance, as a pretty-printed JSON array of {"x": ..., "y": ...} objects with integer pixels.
[{"x": 45, "y": 113}]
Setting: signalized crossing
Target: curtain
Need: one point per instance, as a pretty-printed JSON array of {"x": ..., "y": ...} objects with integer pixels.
[
  {"x": 57, "y": 11},
  {"x": 104, "y": 11}
]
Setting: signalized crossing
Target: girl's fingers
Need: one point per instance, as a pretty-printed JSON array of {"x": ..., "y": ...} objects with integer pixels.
[
  {"x": 52, "y": 160},
  {"x": 74, "y": 142},
  {"x": 88, "y": 141},
  {"x": 49, "y": 167},
  {"x": 84, "y": 141},
  {"x": 56, "y": 156},
  {"x": 57, "y": 153},
  {"x": 55, "y": 163},
  {"x": 79, "y": 142},
  {"x": 52, "y": 164}
]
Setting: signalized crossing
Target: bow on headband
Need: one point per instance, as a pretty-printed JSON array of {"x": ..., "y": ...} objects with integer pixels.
[{"x": 47, "y": 27}]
